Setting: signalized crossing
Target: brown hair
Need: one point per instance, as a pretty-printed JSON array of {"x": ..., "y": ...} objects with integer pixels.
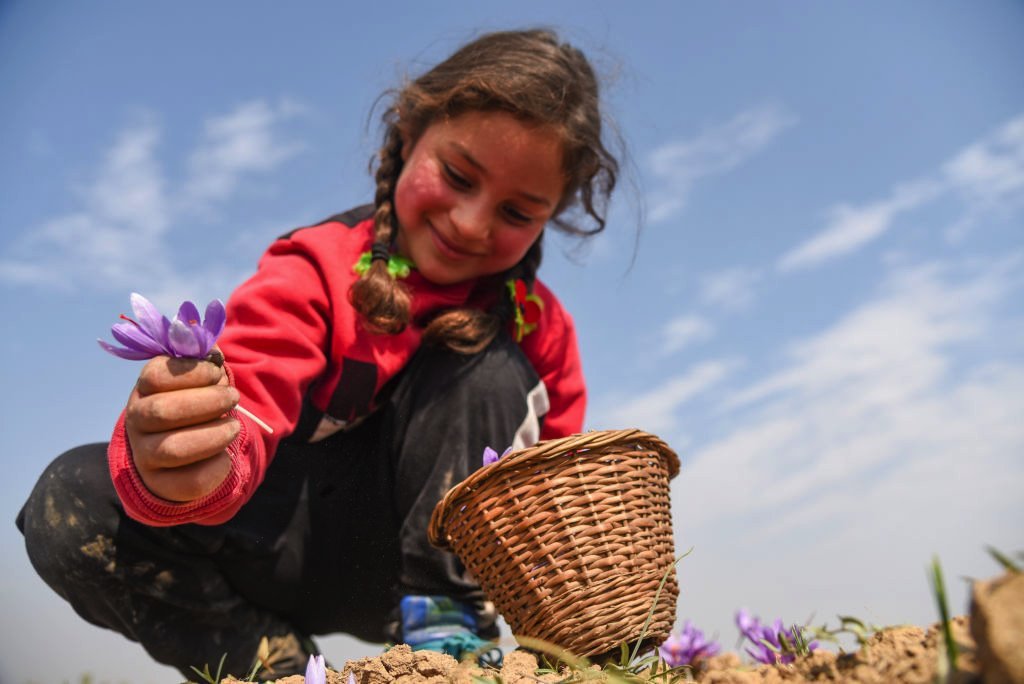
[{"x": 536, "y": 78}]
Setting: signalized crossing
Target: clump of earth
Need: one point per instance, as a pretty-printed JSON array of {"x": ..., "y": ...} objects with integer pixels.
[{"x": 990, "y": 643}]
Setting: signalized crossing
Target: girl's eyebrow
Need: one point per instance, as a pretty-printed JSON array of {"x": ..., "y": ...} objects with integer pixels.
[{"x": 471, "y": 160}]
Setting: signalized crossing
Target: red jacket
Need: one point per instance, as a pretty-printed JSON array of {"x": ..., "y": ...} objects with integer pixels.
[{"x": 303, "y": 363}]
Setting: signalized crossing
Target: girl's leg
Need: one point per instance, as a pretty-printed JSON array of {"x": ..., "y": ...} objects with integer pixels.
[
  {"x": 367, "y": 494},
  {"x": 444, "y": 410},
  {"x": 158, "y": 586}
]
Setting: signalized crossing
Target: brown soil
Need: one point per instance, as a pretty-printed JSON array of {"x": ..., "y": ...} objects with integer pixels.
[{"x": 898, "y": 655}]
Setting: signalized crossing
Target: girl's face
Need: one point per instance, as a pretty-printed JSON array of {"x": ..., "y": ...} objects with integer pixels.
[{"x": 475, "y": 193}]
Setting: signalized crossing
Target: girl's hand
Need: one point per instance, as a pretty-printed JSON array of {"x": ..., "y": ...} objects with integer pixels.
[{"x": 178, "y": 429}]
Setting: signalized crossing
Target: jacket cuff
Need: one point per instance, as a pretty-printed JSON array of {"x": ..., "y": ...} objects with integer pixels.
[{"x": 142, "y": 505}]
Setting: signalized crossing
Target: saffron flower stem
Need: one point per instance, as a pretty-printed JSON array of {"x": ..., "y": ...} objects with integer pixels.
[{"x": 256, "y": 420}]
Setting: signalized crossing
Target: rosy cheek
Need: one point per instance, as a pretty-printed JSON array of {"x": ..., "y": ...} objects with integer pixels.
[
  {"x": 422, "y": 188},
  {"x": 513, "y": 243}
]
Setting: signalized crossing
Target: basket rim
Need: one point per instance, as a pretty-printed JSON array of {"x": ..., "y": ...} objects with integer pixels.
[{"x": 549, "y": 448}]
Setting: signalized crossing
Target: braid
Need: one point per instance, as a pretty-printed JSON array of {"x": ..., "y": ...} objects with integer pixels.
[
  {"x": 467, "y": 330},
  {"x": 383, "y": 301}
]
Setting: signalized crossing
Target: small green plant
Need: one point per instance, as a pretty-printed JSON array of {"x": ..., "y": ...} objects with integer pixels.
[
  {"x": 262, "y": 653},
  {"x": 205, "y": 672},
  {"x": 947, "y": 665},
  {"x": 858, "y": 629}
]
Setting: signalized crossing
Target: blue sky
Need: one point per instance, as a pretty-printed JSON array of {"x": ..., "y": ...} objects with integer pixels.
[{"x": 822, "y": 314}]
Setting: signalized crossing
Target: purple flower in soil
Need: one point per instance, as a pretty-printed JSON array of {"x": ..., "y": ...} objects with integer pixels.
[
  {"x": 747, "y": 624},
  {"x": 491, "y": 456},
  {"x": 316, "y": 671},
  {"x": 686, "y": 647},
  {"x": 772, "y": 643},
  {"x": 152, "y": 334}
]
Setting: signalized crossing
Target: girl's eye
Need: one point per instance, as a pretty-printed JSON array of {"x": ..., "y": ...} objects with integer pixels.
[
  {"x": 455, "y": 178},
  {"x": 516, "y": 216}
]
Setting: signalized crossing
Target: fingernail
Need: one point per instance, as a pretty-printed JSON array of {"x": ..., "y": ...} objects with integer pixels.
[{"x": 235, "y": 396}]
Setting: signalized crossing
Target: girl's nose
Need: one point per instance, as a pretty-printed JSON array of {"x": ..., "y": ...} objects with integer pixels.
[{"x": 471, "y": 220}]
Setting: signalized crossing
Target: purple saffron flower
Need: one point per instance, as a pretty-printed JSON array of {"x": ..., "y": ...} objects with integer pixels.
[
  {"x": 747, "y": 624},
  {"x": 152, "y": 334},
  {"x": 316, "y": 671},
  {"x": 686, "y": 647},
  {"x": 773, "y": 643},
  {"x": 491, "y": 456}
]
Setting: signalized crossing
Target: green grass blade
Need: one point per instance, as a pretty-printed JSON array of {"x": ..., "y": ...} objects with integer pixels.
[
  {"x": 578, "y": 663},
  {"x": 654, "y": 604},
  {"x": 1008, "y": 564},
  {"x": 939, "y": 589}
]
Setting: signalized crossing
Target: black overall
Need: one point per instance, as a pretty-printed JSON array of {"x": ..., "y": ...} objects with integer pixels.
[{"x": 330, "y": 541}]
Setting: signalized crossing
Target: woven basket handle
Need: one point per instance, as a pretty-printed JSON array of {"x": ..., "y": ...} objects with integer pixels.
[{"x": 551, "y": 448}]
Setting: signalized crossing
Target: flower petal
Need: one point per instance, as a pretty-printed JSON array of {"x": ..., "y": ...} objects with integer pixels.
[
  {"x": 747, "y": 624},
  {"x": 150, "y": 319},
  {"x": 188, "y": 313},
  {"x": 214, "y": 319},
  {"x": 316, "y": 670},
  {"x": 490, "y": 456},
  {"x": 134, "y": 337},
  {"x": 130, "y": 354},
  {"x": 181, "y": 341}
]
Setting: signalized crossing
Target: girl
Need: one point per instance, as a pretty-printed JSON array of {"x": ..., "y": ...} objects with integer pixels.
[{"x": 386, "y": 347}]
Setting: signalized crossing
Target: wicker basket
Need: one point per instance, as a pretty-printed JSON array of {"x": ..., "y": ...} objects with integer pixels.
[{"x": 571, "y": 538}]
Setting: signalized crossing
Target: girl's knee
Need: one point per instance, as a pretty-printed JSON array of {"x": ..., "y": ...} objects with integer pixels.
[{"x": 68, "y": 518}]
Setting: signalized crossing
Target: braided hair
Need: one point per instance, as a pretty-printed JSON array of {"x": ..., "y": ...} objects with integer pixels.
[{"x": 536, "y": 78}]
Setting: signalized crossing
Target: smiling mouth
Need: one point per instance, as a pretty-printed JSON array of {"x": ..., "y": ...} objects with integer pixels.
[{"x": 450, "y": 250}]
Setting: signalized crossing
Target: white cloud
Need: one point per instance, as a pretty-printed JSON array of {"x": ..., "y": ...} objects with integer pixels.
[
  {"x": 717, "y": 150},
  {"x": 237, "y": 143},
  {"x": 991, "y": 170},
  {"x": 123, "y": 217},
  {"x": 850, "y": 227},
  {"x": 731, "y": 288},
  {"x": 683, "y": 331},
  {"x": 883, "y": 389},
  {"x": 656, "y": 410},
  {"x": 987, "y": 175},
  {"x": 118, "y": 238}
]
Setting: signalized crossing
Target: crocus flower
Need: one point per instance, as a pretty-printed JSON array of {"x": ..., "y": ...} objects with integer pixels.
[
  {"x": 686, "y": 647},
  {"x": 773, "y": 643},
  {"x": 151, "y": 334},
  {"x": 491, "y": 456},
  {"x": 186, "y": 337},
  {"x": 747, "y": 624},
  {"x": 316, "y": 671}
]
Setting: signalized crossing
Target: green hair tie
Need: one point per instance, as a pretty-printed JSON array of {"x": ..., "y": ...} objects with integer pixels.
[{"x": 398, "y": 266}]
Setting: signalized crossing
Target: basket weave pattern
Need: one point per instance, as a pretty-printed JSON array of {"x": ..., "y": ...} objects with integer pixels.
[{"x": 571, "y": 538}]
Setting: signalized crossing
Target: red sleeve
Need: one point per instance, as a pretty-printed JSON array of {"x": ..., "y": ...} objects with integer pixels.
[
  {"x": 553, "y": 351},
  {"x": 274, "y": 344}
]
